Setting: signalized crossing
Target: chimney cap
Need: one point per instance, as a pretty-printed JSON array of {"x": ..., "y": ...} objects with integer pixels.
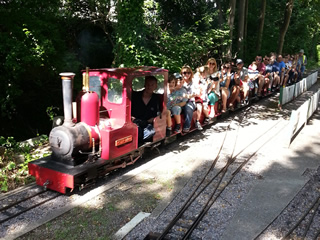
[{"x": 67, "y": 74}]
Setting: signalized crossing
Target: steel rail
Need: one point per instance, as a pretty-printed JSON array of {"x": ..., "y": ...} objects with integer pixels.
[
  {"x": 315, "y": 203},
  {"x": 188, "y": 202},
  {"x": 192, "y": 196},
  {"x": 311, "y": 219},
  {"x": 27, "y": 209},
  {"x": 19, "y": 201},
  {"x": 208, "y": 206}
]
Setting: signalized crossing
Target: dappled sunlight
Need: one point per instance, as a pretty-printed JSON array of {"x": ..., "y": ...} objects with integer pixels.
[
  {"x": 95, "y": 203},
  {"x": 124, "y": 204},
  {"x": 271, "y": 236}
]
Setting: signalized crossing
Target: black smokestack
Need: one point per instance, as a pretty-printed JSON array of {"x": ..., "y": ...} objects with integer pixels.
[{"x": 67, "y": 79}]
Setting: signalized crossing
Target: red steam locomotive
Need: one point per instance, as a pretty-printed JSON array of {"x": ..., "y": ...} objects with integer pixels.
[{"x": 97, "y": 135}]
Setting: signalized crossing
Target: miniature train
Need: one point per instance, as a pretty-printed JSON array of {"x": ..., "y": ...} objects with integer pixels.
[{"x": 97, "y": 135}]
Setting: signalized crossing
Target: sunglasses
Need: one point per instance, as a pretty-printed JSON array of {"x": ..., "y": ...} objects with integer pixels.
[
  {"x": 267, "y": 59},
  {"x": 212, "y": 63},
  {"x": 259, "y": 59},
  {"x": 185, "y": 73}
]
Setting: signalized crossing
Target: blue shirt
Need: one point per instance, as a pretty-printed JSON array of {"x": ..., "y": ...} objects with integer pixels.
[
  {"x": 268, "y": 68},
  {"x": 275, "y": 67},
  {"x": 176, "y": 96},
  {"x": 282, "y": 65}
]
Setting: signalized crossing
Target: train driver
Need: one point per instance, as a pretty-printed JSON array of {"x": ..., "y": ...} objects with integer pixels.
[{"x": 144, "y": 108}]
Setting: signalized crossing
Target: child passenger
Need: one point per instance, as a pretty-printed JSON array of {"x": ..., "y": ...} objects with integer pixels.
[
  {"x": 253, "y": 75},
  {"x": 176, "y": 100}
]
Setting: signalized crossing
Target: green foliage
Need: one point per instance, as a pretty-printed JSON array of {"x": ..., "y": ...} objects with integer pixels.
[
  {"x": 32, "y": 53},
  {"x": 52, "y": 112},
  {"x": 40, "y": 39},
  {"x": 318, "y": 54},
  {"x": 14, "y": 159},
  {"x": 303, "y": 31},
  {"x": 151, "y": 43},
  {"x": 130, "y": 33}
]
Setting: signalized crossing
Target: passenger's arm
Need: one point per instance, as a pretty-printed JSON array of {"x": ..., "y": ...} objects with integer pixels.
[
  {"x": 181, "y": 104},
  {"x": 228, "y": 80},
  {"x": 150, "y": 120}
]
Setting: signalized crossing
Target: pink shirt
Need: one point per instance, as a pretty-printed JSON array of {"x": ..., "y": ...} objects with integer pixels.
[{"x": 262, "y": 68}]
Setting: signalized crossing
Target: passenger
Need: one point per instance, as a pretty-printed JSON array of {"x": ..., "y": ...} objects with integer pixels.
[
  {"x": 268, "y": 76},
  {"x": 225, "y": 78},
  {"x": 302, "y": 62},
  {"x": 288, "y": 66},
  {"x": 262, "y": 71},
  {"x": 276, "y": 73},
  {"x": 234, "y": 87},
  {"x": 290, "y": 59},
  {"x": 213, "y": 86},
  {"x": 212, "y": 66},
  {"x": 190, "y": 107},
  {"x": 282, "y": 67},
  {"x": 145, "y": 107},
  {"x": 253, "y": 76},
  {"x": 202, "y": 100},
  {"x": 242, "y": 73},
  {"x": 293, "y": 73},
  {"x": 176, "y": 100},
  {"x": 296, "y": 59}
]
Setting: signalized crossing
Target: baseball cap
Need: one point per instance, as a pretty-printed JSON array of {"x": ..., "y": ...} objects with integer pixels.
[{"x": 239, "y": 61}]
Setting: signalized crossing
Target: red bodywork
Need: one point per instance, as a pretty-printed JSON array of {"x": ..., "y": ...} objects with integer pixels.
[
  {"x": 90, "y": 108},
  {"x": 114, "y": 137}
]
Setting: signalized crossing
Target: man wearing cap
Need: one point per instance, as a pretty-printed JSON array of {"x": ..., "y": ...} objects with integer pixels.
[
  {"x": 242, "y": 75},
  {"x": 302, "y": 62}
]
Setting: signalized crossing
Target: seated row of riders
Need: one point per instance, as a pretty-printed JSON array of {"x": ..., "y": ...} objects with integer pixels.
[{"x": 199, "y": 91}]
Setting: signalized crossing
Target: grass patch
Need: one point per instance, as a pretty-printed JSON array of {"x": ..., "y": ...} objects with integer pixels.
[{"x": 168, "y": 185}]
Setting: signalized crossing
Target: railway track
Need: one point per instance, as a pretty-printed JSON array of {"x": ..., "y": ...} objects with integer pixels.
[
  {"x": 209, "y": 189},
  {"x": 21, "y": 204},
  {"x": 308, "y": 219},
  {"x": 305, "y": 224}
]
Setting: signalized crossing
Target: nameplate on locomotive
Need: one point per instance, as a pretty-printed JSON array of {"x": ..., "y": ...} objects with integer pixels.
[{"x": 123, "y": 141}]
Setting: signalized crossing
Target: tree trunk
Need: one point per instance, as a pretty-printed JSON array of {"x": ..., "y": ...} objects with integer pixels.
[
  {"x": 241, "y": 21},
  {"x": 220, "y": 16},
  {"x": 284, "y": 28},
  {"x": 232, "y": 7},
  {"x": 245, "y": 28},
  {"x": 221, "y": 49},
  {"x": 261, "y": 24}
]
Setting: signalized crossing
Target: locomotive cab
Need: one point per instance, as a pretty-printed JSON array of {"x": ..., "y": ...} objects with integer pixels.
[{"x": 119, "y": 135}]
